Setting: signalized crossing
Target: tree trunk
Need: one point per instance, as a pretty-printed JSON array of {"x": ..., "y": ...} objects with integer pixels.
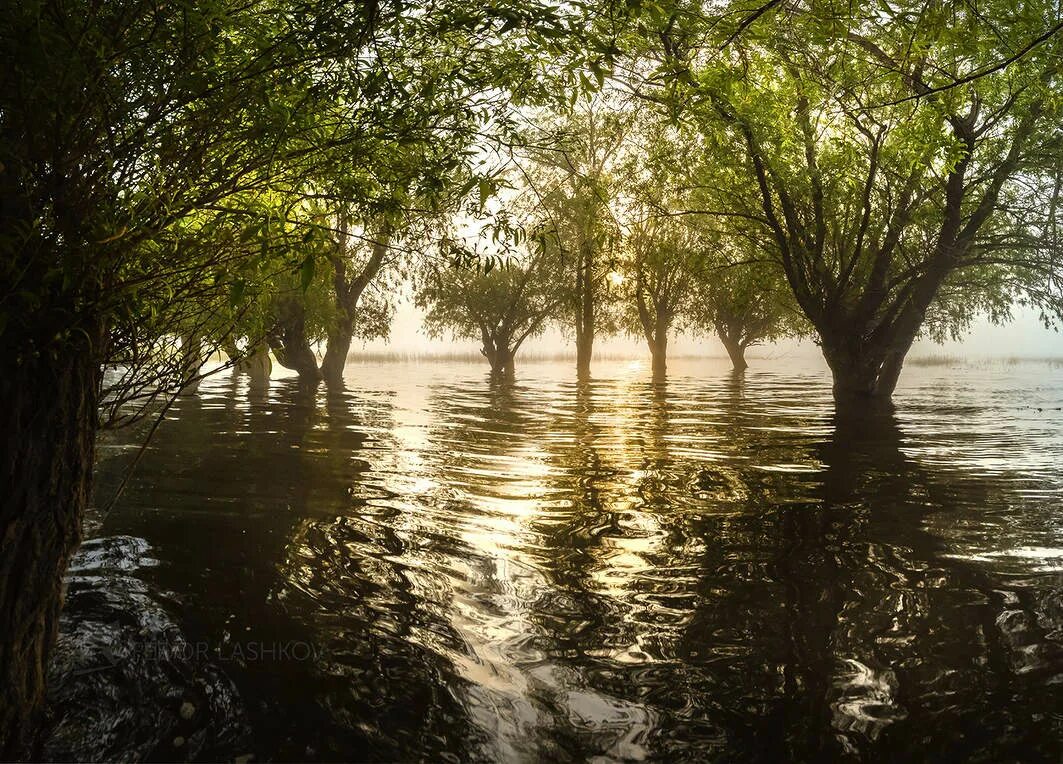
[
  {"x": 736, "y": 351},
  {"x": 498, "y": 353},
  {"x": 584, "y": 350},
  {"x": 659, "y": 354},
  {"x": 48, "y": 426},
  {"x": 290, "y": 344},
  {"x": 336, "y": 351},
  {"x": 255, "y": 363},
  {"x": 503, "y": 365},
  {"x": 856, "y": 372},
  {"x": 585, "y": 311}
]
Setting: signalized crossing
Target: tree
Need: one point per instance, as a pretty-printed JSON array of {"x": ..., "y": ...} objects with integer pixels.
[
  {"x": 121, "y": 125},
  {"x": 572, "y": 183},
  {"x": 661, "y": 259},
  {"x": 744, "y": 304},
  {"x": 502, "y": 301},
  {"x": 885, "y": 170}
]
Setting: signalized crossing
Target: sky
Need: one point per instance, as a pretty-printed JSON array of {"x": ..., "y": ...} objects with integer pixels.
[{"x": 1025, "y": 337}]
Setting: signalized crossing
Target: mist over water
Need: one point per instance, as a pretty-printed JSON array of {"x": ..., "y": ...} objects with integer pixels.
[{"x": 711, "y": 568}]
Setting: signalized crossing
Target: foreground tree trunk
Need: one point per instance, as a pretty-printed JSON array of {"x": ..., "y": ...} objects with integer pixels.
[
  {"x": 865, "y": 375},
  {"x": 656, "y": 321},
  {"x": 737, "y": 333},
  {"x": 585, "y": 311},
  {"x": 48, "y": 425},
  {"x": 584, "y": 351},
  {"x": 255, "y": 363},
  {"x": 347, "y": 290},
  {"x": 191, "y": 363}
]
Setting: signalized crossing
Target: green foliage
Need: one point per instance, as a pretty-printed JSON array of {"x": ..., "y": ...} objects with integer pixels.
[
  {"x": 500, "y": 299},
  {"x": 164, "y": 165},
  {"x": 897, "y": 159}
]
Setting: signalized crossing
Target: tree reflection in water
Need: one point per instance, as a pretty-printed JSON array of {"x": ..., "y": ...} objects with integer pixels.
[{"x": 624, "y": 568}]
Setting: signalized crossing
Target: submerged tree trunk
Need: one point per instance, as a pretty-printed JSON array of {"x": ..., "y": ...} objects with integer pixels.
[
  {"x": 863, "y": 374},
  {"x": 255, "y": 363},
  {"x": 737, "y": 353},
  {"x": 659, "y": 353},
  {"x": 584, "y": 351},
  {"x": 48, "y": 425},
  {"x": 585, "y": 311},
  {"x": 499, "y": 354},
  {"x": 336, "y": 351},
  {"x": 346, "y": 293},
  {"x": 735, "y": 341},
  {"x": 290, "y": 343}
]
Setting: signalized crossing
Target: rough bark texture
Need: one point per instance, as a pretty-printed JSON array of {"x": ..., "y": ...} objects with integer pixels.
[
  {"x": 497, "y": 351},
  {"x": 336, "y": 350},
  {"x": 659, "y": 353},
  {"x": 290, "y": 343},
  {"x": 48, "y": 425},
  {"x": 736, "y": 351}
]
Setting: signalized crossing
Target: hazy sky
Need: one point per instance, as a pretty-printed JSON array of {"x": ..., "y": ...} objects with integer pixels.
[{"x": 1024, "y": 337}]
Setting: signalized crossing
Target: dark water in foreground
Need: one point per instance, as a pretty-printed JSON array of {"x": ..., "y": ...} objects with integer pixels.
[{"x": 427, "y": 567}]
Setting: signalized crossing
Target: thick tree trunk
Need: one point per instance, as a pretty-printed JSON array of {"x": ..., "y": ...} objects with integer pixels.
[
  {"x": 735, "y": 350},
  {"x": 584, "y": 351},
  {"x": 336, "y": 351},
  {"x": 503, "y": 364},
  {"x": 499, "y": 354},
  {"x": 290, "y": 344},
  {"x": 47, "y": 432},
  {"x": 659, "y": 354},
  {"x": 861, "y": 377}
]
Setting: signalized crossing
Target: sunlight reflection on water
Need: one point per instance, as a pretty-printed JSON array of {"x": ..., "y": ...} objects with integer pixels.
[{"x": 714, "y": 567}]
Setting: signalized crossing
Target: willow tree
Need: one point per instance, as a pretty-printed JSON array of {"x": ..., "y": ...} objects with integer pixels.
[
  {"x": 898, "y": 151},
  {"x": 572, "y": 176},
  {"x": 119, "y": 121},
  {"x": 500, "y": 299},
  {"x": 660, "y": 256},
  {"x": 744, "y": 303}
]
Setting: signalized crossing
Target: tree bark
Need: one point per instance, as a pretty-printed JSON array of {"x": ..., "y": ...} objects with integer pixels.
[
  {"x": 856, "y": 372},
  {"x": 346, "y": 294},
  {"x": 290, "y": 344},
  {"x": 48, "y": 425},
  {"x": 498, "y": 354},
  {"x": 337, "y": 348},
  {"x": 736, "y": 349},
  {"x": 659, "y": 354},
  {"x": 584, "y": 350},
  {"x": 585, "y": 311},
  {"x": 255, "y": 363}
]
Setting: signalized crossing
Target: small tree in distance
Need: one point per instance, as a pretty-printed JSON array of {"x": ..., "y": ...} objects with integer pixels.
[
  {"x": 500, "y": 300},
  {"x": 744, "y": 304}
]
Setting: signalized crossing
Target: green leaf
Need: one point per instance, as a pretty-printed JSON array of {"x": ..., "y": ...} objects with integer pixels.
[{"x": 306, "y": 273}]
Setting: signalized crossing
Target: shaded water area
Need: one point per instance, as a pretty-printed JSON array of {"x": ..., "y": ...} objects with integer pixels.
[{"x": 428, "y": 566}]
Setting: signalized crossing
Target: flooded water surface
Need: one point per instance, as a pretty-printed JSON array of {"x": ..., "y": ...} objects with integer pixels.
[{"x": 429, "y": 566}]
